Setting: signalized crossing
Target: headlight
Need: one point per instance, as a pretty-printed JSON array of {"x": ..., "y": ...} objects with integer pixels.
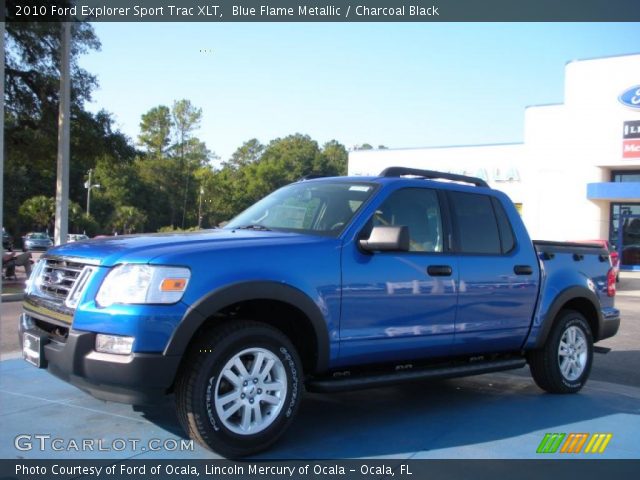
[{"x": 143, "y": 284}]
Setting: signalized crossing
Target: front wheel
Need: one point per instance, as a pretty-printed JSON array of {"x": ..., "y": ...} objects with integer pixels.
[
  {"x": 240, "y": 388},
  {"x": 564, "y": 363}
]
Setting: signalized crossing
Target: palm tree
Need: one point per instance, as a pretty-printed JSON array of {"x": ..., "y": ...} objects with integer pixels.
[
  {"x": 39, "y": 210},
  {"x": 128, "y": 219}
]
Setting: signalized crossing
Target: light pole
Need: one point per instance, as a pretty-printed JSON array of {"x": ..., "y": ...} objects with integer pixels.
[
  {"x": 88, "y": 185},
  {"x": 200, "y": 209}
]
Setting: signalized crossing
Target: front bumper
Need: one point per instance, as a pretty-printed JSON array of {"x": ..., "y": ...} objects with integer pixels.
[{"x": 139, "y": 378}]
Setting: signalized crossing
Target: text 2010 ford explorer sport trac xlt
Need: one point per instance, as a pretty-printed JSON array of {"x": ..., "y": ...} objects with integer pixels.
[{"x": 326, "y": 284}]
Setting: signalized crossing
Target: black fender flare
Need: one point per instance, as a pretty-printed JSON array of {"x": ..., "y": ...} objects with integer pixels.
[
  {"x": 228, "y": 295},
  {"x": 565, "y": 296}
]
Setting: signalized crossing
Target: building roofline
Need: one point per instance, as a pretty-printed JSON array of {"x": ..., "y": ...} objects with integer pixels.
[
  {"x": 507, "y": 144},
  {"x": 560, "y": 104},
  {"x": 590, "y": 59}
]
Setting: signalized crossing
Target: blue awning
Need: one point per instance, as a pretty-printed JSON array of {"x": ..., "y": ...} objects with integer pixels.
[{"x": 618, "y": 191}]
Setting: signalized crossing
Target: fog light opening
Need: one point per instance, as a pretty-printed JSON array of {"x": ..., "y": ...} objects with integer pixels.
[{"x": 116, "y": 344}]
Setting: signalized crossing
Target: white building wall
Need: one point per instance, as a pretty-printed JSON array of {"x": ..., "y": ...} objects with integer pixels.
[{"x": 565, "y": 148}]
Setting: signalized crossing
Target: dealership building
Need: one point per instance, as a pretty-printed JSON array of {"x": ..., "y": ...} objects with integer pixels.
[{"x": 576, "y": 176}]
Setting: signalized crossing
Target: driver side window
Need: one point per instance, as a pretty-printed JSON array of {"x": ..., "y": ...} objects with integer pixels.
[{"x": 418, "y": 209}]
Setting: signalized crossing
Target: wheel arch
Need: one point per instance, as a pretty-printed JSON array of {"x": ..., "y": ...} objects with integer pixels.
[
  {"x": 273, "y": 297},
  {"x": 579, "y": 299}
]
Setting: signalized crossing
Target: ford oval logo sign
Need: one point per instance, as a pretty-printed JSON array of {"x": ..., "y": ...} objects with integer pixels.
[{"x": 631, "y": 98}]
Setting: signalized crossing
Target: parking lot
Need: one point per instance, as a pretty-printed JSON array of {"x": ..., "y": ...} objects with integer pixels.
[{"x": 501, "y": 415}]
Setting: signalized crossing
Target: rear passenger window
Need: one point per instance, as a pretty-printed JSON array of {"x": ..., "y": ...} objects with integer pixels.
[
  {"x": 504, "y": 226},
  {"x": 476, "y": 223}
]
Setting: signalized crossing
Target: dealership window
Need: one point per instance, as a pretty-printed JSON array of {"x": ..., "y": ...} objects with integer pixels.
[
  {"x": 625, "y": 176},
  {"x": 624, "y": 224}
]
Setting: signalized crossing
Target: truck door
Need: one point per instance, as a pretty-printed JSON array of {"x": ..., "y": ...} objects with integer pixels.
[
  {"x": 400, "y": 305},
  {"x": 498, "y": 277}
]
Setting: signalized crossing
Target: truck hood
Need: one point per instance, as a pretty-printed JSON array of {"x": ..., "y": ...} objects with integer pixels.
[{"x": 110, "y": 251}]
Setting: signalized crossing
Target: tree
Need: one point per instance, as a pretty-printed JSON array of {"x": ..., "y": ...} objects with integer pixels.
[
  {"x": 364, "y": 146},
  {"x": 128, "y": 219},
  {"x": 334, "y": 159},
  {"x": 32, "y": 68},
  {"x": 249, "y": 152},
  {"x": 186, "y": 119},
  {"x": 155, "y": 130},
  {"x": 39, "y": 211},
  {"x": 31, "y": 116}
]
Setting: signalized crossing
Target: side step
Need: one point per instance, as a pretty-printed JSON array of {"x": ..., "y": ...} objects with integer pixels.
[{"x": 361, "y": 381}]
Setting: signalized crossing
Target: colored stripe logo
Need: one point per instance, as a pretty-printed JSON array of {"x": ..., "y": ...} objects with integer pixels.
[{"x": 574, "y": 443}]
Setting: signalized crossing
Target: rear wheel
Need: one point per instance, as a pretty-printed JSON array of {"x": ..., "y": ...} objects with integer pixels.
[
  {"x": 239, "y": 388},
  {"x": 564, "y": 363}
]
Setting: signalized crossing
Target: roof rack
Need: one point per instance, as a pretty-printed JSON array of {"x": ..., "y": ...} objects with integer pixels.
[
  {"x": 311, "y": 176},
  {"x": 432, "y": 174}
]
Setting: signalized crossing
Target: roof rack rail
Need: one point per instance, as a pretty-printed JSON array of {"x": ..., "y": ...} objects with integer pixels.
[
  {"x": 311, "y": 176},
  {"x": 432, "y": 174}
]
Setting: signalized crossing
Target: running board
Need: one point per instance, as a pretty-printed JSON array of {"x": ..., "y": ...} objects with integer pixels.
[{"x": 361, "y": 381}]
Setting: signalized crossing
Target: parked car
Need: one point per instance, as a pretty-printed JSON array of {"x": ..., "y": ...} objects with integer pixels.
[
  {"x": 7, "y": 240},
  {"x": 36, "y": 241},
  {"x": 631, "y": 254},
  {"x": 77, "y": 237},
  {"x": 325, "y": 285}
]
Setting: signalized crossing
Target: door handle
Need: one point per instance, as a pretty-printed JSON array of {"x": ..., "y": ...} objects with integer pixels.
[
  {"x": 439, "y": 270},
  {"x": 523, "y": 270}
]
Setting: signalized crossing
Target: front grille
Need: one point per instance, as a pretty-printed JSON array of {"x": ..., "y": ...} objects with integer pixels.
[
  {"x": 54, "y": 331},
  {"x": 58, "y": 277}
]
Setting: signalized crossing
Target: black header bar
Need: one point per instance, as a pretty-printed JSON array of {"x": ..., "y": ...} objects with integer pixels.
[
  {"x": 324, "y": 10},
  {"x": 591, "y": 469}
]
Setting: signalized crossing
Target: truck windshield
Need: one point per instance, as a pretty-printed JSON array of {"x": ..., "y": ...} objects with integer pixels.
[{"x": 318, "y": 207}]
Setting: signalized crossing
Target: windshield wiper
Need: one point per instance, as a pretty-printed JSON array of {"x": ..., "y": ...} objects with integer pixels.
[{"x": 254, "y": 226}]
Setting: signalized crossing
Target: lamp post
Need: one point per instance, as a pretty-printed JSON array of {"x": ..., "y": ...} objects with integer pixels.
[{"x": 88, "y": 185}]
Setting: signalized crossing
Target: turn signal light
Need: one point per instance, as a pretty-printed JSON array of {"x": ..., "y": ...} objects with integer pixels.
[{"x": 173, "y": 285}]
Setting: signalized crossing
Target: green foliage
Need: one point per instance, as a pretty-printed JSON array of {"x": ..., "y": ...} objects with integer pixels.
[
  {"x": 39, "y": 211},
  {"x": 128, "y": 219},
  {"x": 170, "y": 184},
  {"x": 255, "y": 171},
  {"x": 155, "y": 130},
  {"x": 171, "y": 229},
  {"x": 249, "y": 152},
  {"x": 31, "y": 117},
  {"x": 364, "y": 146}
]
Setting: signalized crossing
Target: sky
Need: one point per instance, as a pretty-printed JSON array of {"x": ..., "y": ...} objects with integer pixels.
[{"x": 402, "y": 85}]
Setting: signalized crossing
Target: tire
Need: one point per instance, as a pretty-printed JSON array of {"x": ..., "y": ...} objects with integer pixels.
[
  {"x": 224, "y": 403},
  {"x": 564, "y": 363}
]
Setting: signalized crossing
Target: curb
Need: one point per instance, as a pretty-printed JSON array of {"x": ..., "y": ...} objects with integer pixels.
[{"x": 12, "y": 297}]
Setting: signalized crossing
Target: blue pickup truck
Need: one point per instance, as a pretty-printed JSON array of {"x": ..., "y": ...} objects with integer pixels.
[{"x": 327, "y": 284}]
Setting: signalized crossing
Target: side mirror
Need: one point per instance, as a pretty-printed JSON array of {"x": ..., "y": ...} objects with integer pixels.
[{"x": 387, "y": 239}]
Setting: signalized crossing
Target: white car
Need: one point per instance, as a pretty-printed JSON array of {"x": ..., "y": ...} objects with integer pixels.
[{"x": 77, "y": 237}]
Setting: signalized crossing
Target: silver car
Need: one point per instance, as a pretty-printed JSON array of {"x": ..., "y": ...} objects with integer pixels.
[{"x": 36, "y": 241}]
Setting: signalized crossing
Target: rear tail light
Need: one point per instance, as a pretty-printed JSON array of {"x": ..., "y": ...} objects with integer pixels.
[{"x": 611, "y": 282}]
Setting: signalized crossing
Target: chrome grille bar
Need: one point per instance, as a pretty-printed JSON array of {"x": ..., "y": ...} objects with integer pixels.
[{"x": 57, "y": 278}]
